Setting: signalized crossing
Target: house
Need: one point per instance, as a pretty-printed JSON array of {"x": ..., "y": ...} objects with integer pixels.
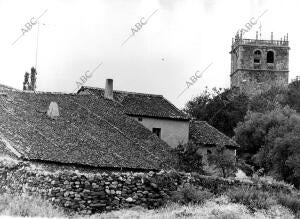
[
  {"x": 208, "y": 138},
  {"x": 153, "y": 111},
  {"x": 99, "y": 128},
  {"x": 71, "y": 129}
]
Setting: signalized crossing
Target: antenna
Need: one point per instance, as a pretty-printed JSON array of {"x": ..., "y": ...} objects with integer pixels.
[
  {"x": 37, "y": 44},
  {"x": 260, "y": 30}
]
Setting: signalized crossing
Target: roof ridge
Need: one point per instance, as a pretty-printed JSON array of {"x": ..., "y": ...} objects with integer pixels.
[
  {"x": 49, "y": 92},
  {"x": 124, "y": 92},
  {"x": 8, "y": 87},
  {"x": 38, "y": 92},
  {"x": 178, "y": 110}
]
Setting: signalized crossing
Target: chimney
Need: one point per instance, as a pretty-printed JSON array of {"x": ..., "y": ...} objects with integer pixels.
[
  {"x": 271, "y": 36},
  {"x": 109, "y": 89},
  {"x": 53, "y": 111}
]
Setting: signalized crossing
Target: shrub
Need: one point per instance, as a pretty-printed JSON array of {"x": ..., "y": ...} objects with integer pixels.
[
  {"x": 272, "y": 139},
  {"x": 251, "y": 197},
  {"x": 190, "y": 194},
  {"x": 188, "y": 158},
  {"x": 224, "y": 215},
  {"x": 28, "y": 206},
  {"x": 291, "y": 201},
  {"x": 162, "y": 180},
  {"x": 223, "y": 160}
]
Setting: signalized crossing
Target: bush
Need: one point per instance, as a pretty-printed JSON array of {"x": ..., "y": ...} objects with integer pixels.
[
  {"x": 251, "y": 197},
  {"x": 27, "y": 206},
  {"x": 291, "y": 201},
  {"x": 271, "y": 140},
  {"x": 223, "y": 160},
  {"x": 188, "y": 158},
  {"x": 190, "y": 194}
]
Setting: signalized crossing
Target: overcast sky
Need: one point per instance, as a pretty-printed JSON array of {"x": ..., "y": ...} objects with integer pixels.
[{"x": 180, "y": 38}]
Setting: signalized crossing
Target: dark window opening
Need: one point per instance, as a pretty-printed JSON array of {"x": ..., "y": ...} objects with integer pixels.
[
  {"x": 208, "y": 151},
  {"x": 157, "y": 131},
  {"x": 270, "y": 57},
  {"x": 140, "y": 119},
  {"x": 257, "y": 56}
]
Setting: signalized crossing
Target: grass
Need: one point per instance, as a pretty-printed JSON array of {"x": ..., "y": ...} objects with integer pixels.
[
  {"x": 252, "y": 198},
  {"x": 291, "y": 201},
  {"x": 213, "y": 208},
  {"x": 27, "y": 206},
  {"x": 189, "y": 194}
]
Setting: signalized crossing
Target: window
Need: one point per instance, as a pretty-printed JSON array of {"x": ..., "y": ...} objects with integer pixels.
[
  {"x": 208, "y": 151},
  {"x": 140, "y": 119},
  {"x": 156, "y": 131},
  {"x": 257, "y": 56},
  {"x": 270, "y": 57}
]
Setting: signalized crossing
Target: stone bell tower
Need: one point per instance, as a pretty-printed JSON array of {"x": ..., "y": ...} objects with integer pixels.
[{"x": 257, "y": 65}]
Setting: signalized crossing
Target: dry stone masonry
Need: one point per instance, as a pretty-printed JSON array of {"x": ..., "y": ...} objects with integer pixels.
[{"x": 97, "y": 192}]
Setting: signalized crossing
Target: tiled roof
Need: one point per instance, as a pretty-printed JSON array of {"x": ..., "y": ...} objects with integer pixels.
[
  {"x": 5, "y": 88},
  {"x": 141, "y": 104},
  {"x": 89, "y": 131},
  {"x": 203, "y": 133}
]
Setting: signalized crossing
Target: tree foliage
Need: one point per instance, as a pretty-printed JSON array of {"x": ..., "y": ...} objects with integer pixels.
[
  {"x": 188, "y": 158},
  {"x": 223, "y": 160},
  {"x": 272, "y": 141},
  {"x": 30, "y": 85},
  {"x": 26, "y": 81},
  {"x": 268, "y": 100},
  {"x": 293, "y": 95},
  {"x": 221, "y": 109}
]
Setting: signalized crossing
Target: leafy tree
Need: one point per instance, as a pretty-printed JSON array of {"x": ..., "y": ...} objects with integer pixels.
[
  {"x": 26, "y": 81},
  {"x": 293, "y": 95},
  {"x": 221, "y": 109},
  {"x": 30, "y": 85},
  {"x": 277, "y": 96},
  {"x": 196, "y": 107},
  {"x": 33, "y": 74},
  {"x": 188, "y": 158},
  {"x": 268, "y": 100},
  {"x": 272, "y": 141},
  {"x": 223, "y": 160}
]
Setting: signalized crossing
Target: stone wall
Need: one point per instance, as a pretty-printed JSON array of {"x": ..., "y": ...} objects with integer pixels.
[
  {"x": 97, "y": 192},
  {"x": 254, "y": 78},
  {"x": 258, "y": 81}
]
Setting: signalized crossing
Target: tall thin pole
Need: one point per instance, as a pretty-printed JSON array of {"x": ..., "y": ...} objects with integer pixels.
[
  {"x": 37, "y": 45},
  {"x": 260, "y": 30}
]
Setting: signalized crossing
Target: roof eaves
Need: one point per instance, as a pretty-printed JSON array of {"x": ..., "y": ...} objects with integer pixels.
[{"x": 159, "y": 117}]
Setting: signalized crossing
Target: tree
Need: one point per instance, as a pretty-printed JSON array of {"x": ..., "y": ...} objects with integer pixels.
[
  {"x": 188, "y": 158},
  {"x": 272, "y": 141},
  {"x": 196, "y": 107},
  {"x": 26, "y": 81},
  {"x": 32, "y": 84},
  {"x": 221, "y": 109},
  {"x": 224, "y": 160},
  {"x": 33, "y": 74},
  {"x": 293, "y": 95},
  {"x": 268, "y": 100}
]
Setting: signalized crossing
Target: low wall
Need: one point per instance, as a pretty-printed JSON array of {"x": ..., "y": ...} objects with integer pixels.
[{"x": 97, "y": 192}]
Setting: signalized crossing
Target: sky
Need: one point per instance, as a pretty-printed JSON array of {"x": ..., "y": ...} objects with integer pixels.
[{"x": 168, "y": 41}]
